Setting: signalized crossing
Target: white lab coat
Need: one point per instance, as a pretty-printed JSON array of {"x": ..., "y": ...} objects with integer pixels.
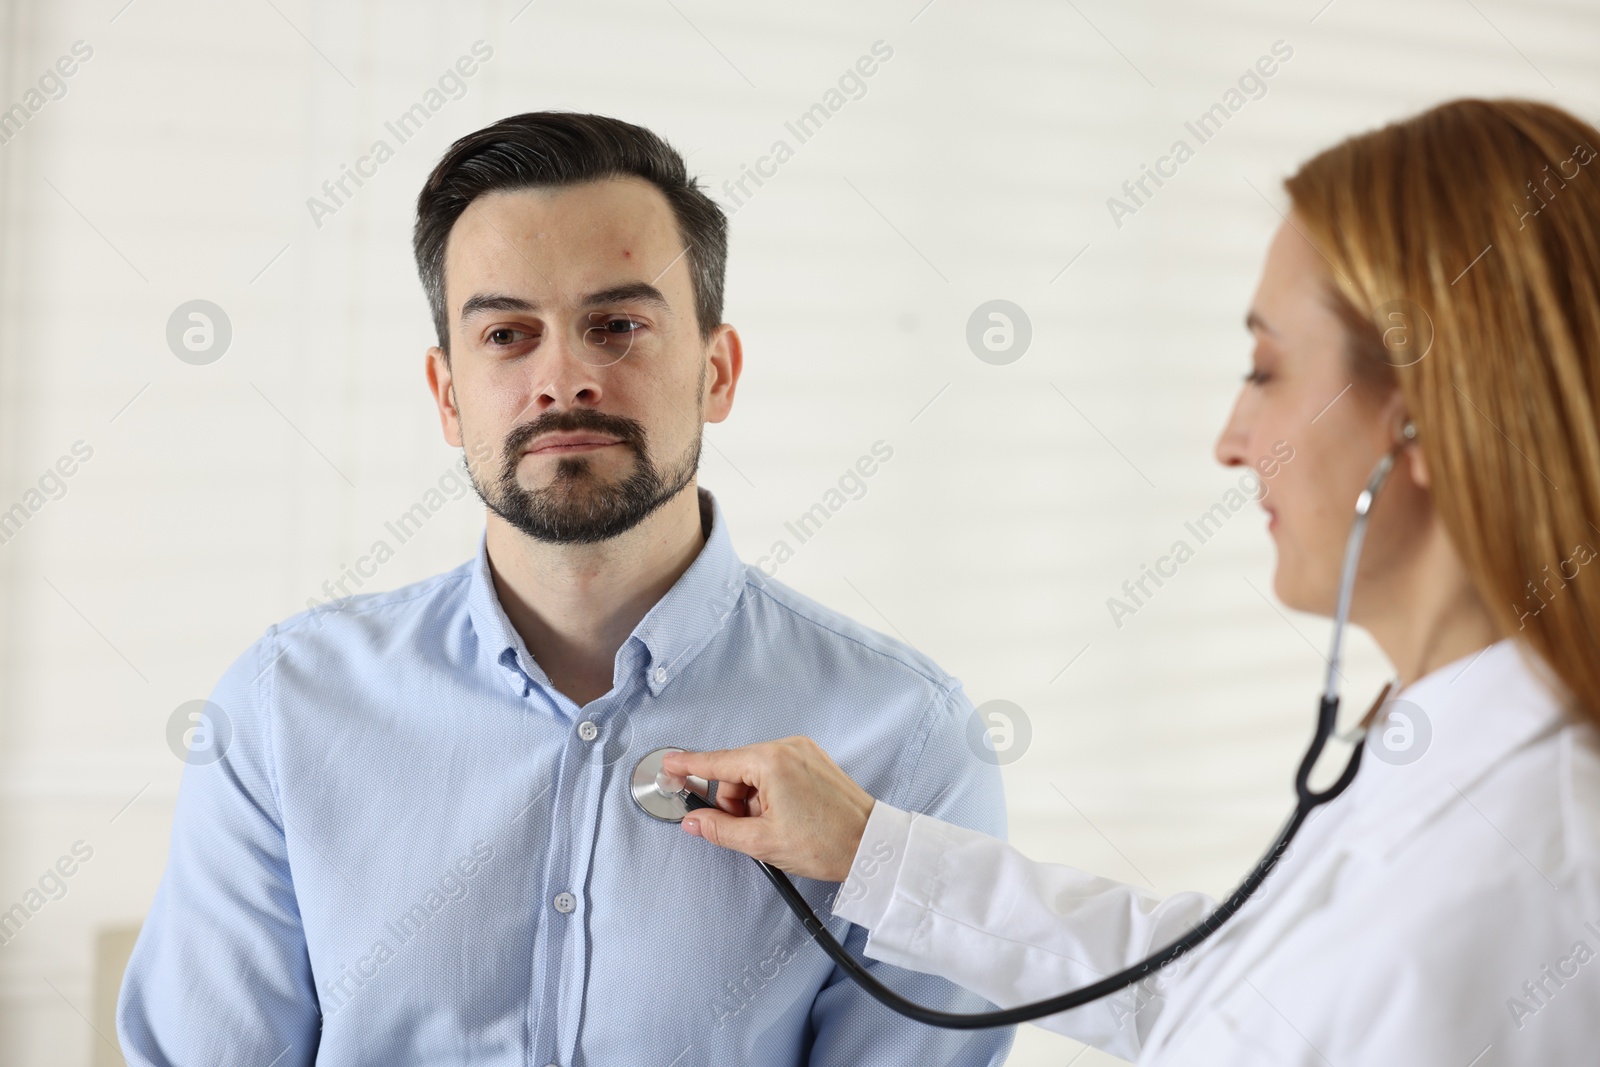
[{"x": 1442, "y": 913}]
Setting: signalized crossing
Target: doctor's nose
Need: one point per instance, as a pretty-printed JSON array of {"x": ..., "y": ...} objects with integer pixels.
[{"x": 1230, "y": 449}]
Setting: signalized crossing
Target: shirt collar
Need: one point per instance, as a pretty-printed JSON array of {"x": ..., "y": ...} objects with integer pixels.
[
  {"x": 670, "y": 635},
  {"x": 1474, "y": 712}
]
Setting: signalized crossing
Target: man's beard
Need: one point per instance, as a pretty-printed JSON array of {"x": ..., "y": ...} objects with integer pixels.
[{"x": 578, "y": 507}]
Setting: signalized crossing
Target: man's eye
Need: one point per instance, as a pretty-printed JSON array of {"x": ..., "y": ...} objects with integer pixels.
[
  {"x": 622, "y": 326},
  {"x": 504, "y": 335},
  {"x": 1257, "y": 376}
]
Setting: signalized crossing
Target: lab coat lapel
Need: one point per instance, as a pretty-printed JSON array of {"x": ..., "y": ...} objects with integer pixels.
[
  {"x": 1479, "y": 709},
  {"x": 1473, "y": 726}
]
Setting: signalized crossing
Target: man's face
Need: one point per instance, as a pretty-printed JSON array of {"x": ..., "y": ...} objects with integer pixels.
[{"x": 577, "y": 380}]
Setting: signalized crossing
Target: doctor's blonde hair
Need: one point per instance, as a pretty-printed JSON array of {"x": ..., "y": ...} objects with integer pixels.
[{"x": 1477, "y": 223}]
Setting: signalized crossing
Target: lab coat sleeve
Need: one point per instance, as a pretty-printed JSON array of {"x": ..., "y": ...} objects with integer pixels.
[
  {"x": 959, "y": 903},
  {"x": 220, "y": 972},
  {"x": 936, "y": 773},
  {"x": 865, "y": 896}
]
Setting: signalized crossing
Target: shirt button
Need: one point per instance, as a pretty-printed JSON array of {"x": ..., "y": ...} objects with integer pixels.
[
  {"x": 661, "y": 675},
  {"x": 588, "y": 730},
  {"x": 565, "y": 902}
]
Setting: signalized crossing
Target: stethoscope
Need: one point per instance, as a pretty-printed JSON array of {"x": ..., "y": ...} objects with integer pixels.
[{"x": 659, "y": 795}]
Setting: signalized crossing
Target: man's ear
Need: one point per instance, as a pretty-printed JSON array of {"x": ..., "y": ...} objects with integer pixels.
[
  {"x": 442, "y": 385},
  {"x": 725, "y": 354}
]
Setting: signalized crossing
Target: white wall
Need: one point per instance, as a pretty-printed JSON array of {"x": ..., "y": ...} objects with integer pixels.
[{"x": 976, "y": 166}]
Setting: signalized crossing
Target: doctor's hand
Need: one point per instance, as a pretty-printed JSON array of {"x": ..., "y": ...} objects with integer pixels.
[{"x": 802, "y": 813}]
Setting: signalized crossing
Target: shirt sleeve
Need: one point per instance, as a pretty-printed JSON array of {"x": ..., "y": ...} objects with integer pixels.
[
  {"x": 959, "y": 903},
  {"x": 220, "y": 972},
  {"x": 938, "y": 774}
]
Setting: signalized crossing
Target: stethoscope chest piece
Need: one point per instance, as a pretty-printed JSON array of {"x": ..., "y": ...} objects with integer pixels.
[{"x": 661, "y": 795}]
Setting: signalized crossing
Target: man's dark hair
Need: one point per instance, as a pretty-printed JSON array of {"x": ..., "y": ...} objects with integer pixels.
[{"x": 557, "y": 148}]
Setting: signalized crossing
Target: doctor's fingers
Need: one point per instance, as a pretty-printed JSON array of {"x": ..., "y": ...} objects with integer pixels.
[
  {"x": 734, "y": 797},
  {"x": 753, "y": 837},
  {"x": 793, "y": 841},
  {"x": 752, "y": 765}
]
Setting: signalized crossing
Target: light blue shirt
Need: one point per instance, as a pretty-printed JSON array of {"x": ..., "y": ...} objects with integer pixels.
[{"x": 415, "y": 850}]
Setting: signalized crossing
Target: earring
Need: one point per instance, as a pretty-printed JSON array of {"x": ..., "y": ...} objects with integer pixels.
[{"x": 1409, "y": 430}]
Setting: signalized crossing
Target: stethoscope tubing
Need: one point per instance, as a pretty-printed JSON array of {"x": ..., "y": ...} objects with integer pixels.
[
  {"x": 1307, "y": 800},
  {"x": 1065, "y": 1001}
]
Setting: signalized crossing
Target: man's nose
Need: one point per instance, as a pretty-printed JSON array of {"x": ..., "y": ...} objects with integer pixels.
[{"x": 565, "y": 378}]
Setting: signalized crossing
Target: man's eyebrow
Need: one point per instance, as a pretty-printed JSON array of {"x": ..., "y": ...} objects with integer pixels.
[
  {"x": 482, "y": 302},
  {"x": 642, "y": 292}
]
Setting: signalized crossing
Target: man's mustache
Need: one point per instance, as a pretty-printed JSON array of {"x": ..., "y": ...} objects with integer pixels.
[{"x": 628, "y": 431}]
